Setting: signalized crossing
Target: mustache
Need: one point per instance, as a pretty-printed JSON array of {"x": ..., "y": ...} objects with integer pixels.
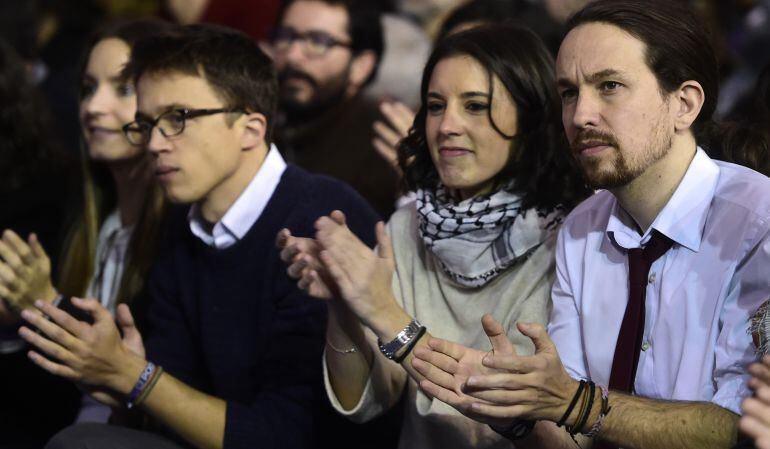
[
  {"x": 292, "y": 72},
  {"x": 594, "y": 136}
]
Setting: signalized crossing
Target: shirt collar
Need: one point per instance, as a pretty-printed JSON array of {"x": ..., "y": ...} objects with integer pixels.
[
  {"x": 683, "y": 218},
  {"x": 245, "y": 211}
]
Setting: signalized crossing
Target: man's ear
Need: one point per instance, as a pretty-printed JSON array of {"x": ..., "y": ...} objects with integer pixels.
[
  {"x": 361, "y": 67},
  {"x": 254, "y": 131},
  {"x": 689, "y": 99}
]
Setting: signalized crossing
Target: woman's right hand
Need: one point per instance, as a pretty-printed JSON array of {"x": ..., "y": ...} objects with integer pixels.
[
  {"x": 304, "y": 264},
  {"x": 25, "y": 272}
]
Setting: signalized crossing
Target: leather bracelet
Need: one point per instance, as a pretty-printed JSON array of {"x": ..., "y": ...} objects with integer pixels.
[
  {"x": 572, "y": 404},
  {"x": 391, "y": 348}
]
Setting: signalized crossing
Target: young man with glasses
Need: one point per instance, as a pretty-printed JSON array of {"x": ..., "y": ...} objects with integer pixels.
[
  {"x": 239, "y": 344},
  {"x": 326, "y": 52}
]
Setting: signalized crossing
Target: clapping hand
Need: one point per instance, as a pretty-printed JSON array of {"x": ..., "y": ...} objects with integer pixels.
[
  {"x": 94, "y": 355},
  {"x": 755, "y": 421},
  {"x": 529, "y": 387},
  {"x": 25, "y": 274},
  {"x": 362, "y": 275}
]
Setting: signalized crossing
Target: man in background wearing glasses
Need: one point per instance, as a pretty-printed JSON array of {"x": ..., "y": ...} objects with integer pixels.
[
  {"x": 326, "y": 52},
  {"x": 239, "y": 344}
]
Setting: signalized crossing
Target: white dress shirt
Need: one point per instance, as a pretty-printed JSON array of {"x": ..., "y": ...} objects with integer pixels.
[
  {"x": 245, "y": 211},
  {"x": 700, "y": 294}
]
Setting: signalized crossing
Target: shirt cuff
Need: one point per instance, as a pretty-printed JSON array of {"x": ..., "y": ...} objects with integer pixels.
[{"x": 732, "y": 393}]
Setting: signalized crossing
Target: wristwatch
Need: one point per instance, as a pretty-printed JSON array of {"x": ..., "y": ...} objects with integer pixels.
[{"x": 391, "y": 348}]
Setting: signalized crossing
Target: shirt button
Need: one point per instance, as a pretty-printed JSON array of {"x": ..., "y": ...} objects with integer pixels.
[
  {"x": 651, "y": 279},
  {"x": 645, "y": 345}
]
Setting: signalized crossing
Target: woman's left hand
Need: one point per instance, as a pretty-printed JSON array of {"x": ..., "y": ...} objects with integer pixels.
[{"x": 364, "y": 277}]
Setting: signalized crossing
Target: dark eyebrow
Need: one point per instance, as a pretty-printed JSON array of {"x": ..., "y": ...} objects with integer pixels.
[
  {"x": 592, "y": 78},
  {"x": 462, "y": 95},
  {"x": 474, "y": 94},
  {"x": 602, "y": 74},
  {"x": 163, "y": 110}
]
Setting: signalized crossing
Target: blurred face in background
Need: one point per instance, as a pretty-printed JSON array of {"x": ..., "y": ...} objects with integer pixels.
[
  {"x": 426, "y": 10},
  {"x": 107, "y": 103},
  {"x": 313, "y": 57}
]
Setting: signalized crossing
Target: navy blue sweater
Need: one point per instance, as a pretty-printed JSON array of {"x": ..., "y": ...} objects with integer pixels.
[{"x": 231, "y": 323}]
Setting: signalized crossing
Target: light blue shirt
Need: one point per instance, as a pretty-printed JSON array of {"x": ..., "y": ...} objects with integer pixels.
[
  {"x": 700, "y": 294},
  {"x": 245, "y": 211}
]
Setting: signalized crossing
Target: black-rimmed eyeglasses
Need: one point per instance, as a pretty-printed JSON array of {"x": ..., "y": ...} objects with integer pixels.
[
  {"x": 170, "y": 123},
  {"x": 313, "y": 43}
]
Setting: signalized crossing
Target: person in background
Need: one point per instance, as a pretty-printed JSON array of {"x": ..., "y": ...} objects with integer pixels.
[
  {"x": 113, "y": 234},
  {"x": 326, "y": 52},
  {"x": 489, "y": 163},
  {"x": 36, "y": 182}
]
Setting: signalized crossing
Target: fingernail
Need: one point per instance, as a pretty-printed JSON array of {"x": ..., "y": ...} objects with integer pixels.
[
  {"x": 26, "y": 314},
  {"x": 38, "y": 303},
  {"x": 471, "y": 381}
]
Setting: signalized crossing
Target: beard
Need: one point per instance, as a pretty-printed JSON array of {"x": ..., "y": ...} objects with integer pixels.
[
  {"x": 324, "y": 96},
  {"x": 625, "y": 166}
]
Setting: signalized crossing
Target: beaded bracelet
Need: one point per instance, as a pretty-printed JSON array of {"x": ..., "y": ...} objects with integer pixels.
[{"x": 145, "y": 379}]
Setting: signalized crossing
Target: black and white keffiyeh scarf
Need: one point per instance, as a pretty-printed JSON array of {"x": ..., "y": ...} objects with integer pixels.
[{"x": 478, "y": 238}]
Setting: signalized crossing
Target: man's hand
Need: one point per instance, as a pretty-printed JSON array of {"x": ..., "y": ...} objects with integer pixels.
[
  {"x": 533, "y": 387},
  {"x": 399, "y": 119},
  {"x": 755, "y": 421},
  {"x": 94, "y": 355},
  {"x": 25, "y": 272},
  {"x": 447, "y": 366}
]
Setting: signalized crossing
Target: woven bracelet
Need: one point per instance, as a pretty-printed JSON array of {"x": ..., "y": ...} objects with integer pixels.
[{"x": 140, "y": 384}]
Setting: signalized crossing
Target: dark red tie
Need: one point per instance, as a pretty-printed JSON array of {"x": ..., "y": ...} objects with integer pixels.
[{"x": 632, "y": 329}]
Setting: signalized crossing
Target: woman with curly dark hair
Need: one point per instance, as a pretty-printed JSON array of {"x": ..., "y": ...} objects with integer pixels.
[{"x": 491, "y": 168}]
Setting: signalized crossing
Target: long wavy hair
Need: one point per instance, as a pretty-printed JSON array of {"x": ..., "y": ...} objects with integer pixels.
[
  {"x": 99, "y": 199},
  {"x": 539, "y": 167}
]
